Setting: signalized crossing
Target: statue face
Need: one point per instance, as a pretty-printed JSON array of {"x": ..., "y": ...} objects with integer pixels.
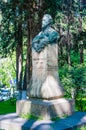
[{"x": 47, "y": 19}]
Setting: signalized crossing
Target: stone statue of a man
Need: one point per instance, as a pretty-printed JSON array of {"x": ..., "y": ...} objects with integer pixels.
[
  {"x": 47, "y": 36},
  {"x": 45, "y": 81},
  {"x": 44, "y": 90}
]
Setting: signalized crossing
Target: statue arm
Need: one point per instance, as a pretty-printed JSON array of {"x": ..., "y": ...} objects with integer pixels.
[
  {"x": 36, "y": 38},
  {"x": 39, "y": 42},
  {"x": 43, "y": 39},
  {"x": 35, "y": 42},
  {"x": 53, "y": 37}
]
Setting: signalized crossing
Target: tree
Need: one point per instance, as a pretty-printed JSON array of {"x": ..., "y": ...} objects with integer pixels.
[{"x": 21, "y": 21}]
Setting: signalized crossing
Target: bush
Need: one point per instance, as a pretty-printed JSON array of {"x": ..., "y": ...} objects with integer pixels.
[
  {"x": 73, "y": 80},
  {"x": 80, "y": 104}
]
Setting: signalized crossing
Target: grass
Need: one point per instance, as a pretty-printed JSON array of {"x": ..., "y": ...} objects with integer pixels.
[
  {"x": 7, "y": 107},
  {"x": 82, "y": 128},
  {"x": 30, "y": 116}
]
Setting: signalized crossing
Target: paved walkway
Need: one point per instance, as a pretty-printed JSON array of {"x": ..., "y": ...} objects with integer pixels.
[{"x": 14, "y": 122}]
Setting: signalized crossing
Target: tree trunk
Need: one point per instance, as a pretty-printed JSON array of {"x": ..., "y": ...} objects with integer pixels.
[
  {"x": 33, "y": 29},
  {"x": 29, "y": 57},
  {"x": 19, "y": 61},
  {"x": 81, "y": 42},
  {"x": 68, "y": 41}
]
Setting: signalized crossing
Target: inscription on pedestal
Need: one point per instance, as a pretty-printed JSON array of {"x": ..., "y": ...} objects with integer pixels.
[{"x": 45, "y": 80}]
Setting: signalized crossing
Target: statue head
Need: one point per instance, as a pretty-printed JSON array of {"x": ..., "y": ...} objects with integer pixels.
[{"x": 46, "y": 20}]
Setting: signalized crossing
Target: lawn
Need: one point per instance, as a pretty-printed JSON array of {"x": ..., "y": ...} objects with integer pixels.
[
  {"x": 7, "y": 107},
  {"x": 82, "y": 128}
]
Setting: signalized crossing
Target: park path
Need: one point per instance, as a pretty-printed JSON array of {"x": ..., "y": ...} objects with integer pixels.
[{"x": 14, "y": 122}]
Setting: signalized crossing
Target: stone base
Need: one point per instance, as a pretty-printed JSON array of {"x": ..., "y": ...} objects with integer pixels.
[{"x": 44, "y": 108}]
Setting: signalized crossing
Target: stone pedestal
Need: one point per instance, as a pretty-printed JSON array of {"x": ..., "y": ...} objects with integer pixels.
[
  {"x": 45, "y": 80},
  {"x": 45, "y": 109},
  {"x": 45, "y": 91}
]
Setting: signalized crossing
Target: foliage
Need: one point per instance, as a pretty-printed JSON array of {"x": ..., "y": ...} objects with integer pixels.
[
  {"x": 20, "y": 21},
  {"x": 53, "y": 7},
  {"x": 78, "y": 74},
  {"x": 7, "y": 70},
  {"x": 80, "y": 104},
  {"x": 66, "y": 80},
  {"x": 18, "y": 13},
  {"x": 7, "y": 41},
  {"x": 74, "y": 78}
]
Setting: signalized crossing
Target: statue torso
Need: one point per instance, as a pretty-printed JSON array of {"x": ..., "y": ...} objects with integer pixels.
[{"x": 46, "y": 36}]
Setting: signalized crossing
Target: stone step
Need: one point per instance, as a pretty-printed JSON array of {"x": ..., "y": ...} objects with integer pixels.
[
  {"x": 47, "y": 109},
  {"x": 14, "y": 122}
]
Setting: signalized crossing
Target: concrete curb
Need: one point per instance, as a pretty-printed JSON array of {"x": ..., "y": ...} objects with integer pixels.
[{"x": 14, "y": 122}]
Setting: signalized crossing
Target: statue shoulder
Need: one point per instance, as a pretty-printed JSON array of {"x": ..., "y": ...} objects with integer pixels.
[
  {"x": 39, "y": 34},
  {"x": 37, "y": 37},
  {"x": 52, "y": 31}
]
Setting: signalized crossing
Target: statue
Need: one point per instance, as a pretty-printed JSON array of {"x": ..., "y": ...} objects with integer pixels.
[
  {"x": 47, "y": 36},
  {"x": 44, "y": 63},
  {"x": 44, "y": 91}
]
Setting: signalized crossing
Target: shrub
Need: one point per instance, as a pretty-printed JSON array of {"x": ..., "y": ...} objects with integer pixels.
[{"x": 73, "y": 80}]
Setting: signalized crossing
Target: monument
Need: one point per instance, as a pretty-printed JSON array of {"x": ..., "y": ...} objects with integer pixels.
[
  {"x": 45, "y": 91},
  {"x": 45, "y": 80}
]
